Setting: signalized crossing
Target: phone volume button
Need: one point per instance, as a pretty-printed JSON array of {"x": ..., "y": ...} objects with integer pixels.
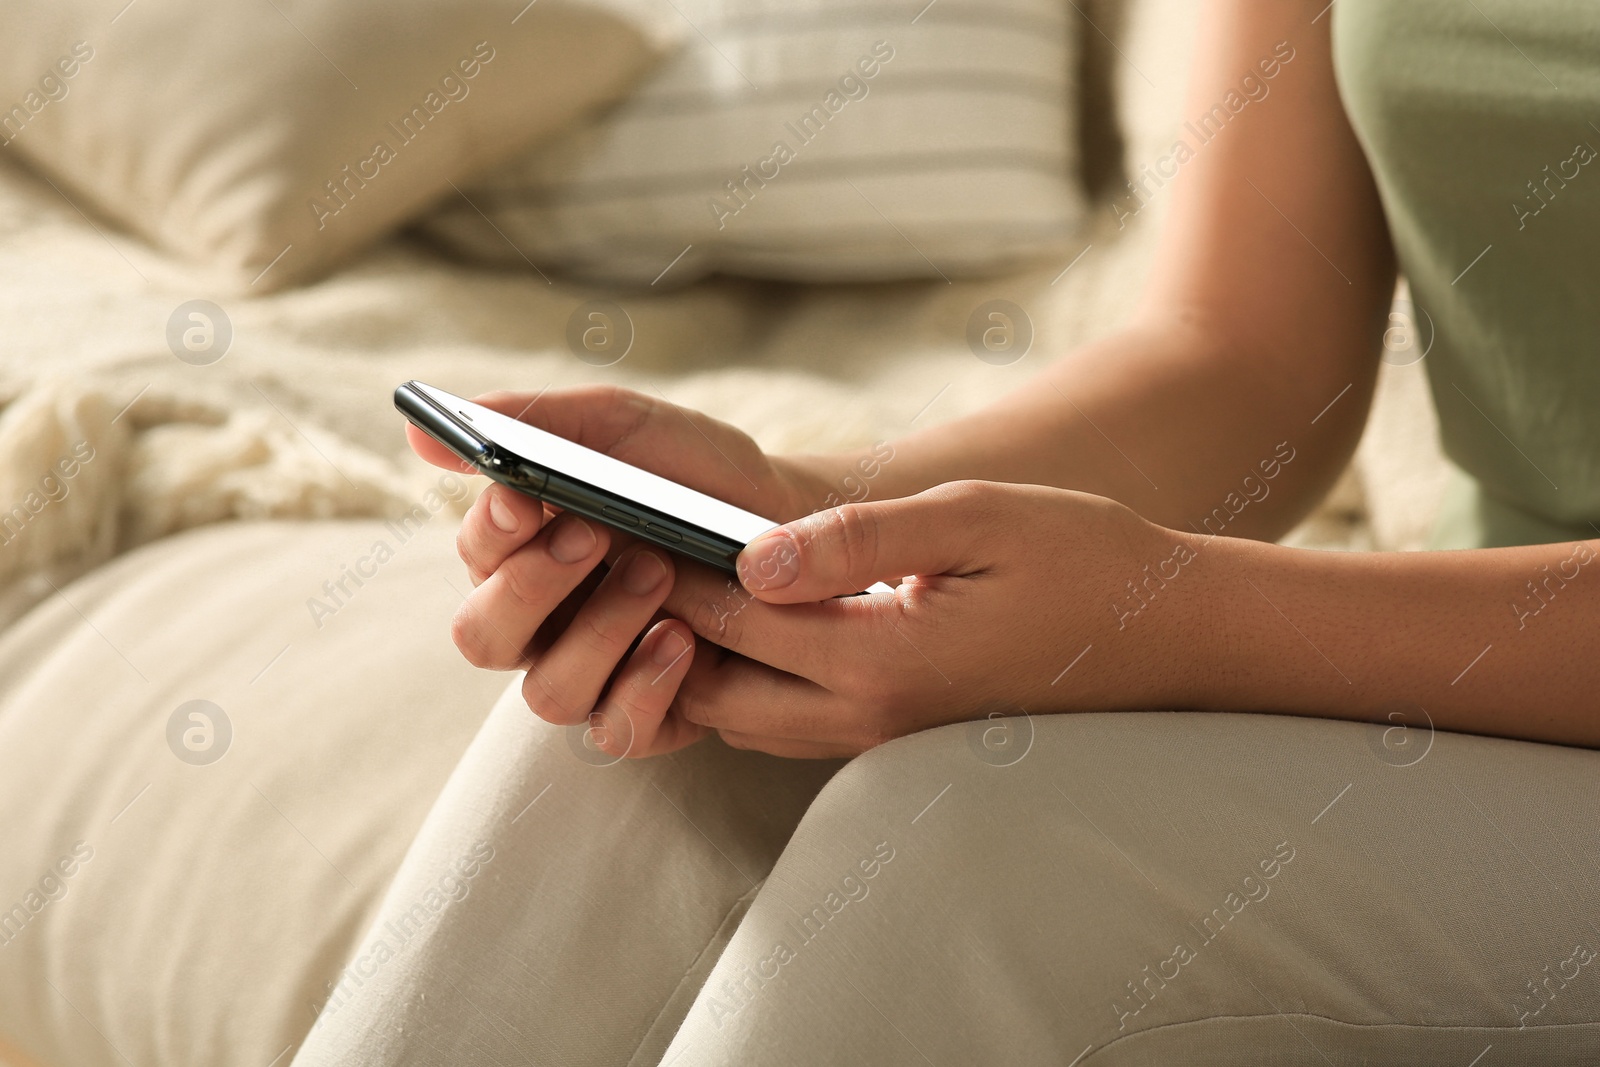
[
  {"x": 618, "y": 515},
  {"x": 662, "y": 532}
]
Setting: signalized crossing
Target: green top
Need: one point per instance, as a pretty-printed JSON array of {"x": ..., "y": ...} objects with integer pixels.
[{"x": 1481, "y": 122}]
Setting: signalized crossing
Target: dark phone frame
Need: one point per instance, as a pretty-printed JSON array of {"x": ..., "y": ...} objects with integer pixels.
[{"x": 532, "y": 478}]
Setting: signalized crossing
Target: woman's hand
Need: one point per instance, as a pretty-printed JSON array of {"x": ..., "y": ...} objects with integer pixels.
[
  {"x": 1041, "y": 600},
  {"x": 1023, "y": 598},
  {"x": 541, "y": 600}
]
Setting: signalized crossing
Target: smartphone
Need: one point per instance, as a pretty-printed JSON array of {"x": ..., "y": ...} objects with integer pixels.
[{"x": 573, "y": 478}]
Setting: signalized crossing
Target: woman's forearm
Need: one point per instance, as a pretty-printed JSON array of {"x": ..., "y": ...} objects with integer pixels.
[
  {"x": 1259, "y": 324},
  {"x": 1490, "y": 641},
  {"x": 1168, "y": 419}
]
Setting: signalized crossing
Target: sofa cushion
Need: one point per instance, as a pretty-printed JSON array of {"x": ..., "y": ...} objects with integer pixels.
[{"x": 214, "y": 752}]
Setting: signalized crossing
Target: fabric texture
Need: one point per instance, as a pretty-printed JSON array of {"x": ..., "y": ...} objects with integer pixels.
[
  {"x": 812, "y": 141},
  {"x": 1029, "y": 891},
  {"x": 1479, "y": 122},
  {"x": 269, "y": 141},
  {"x": 158, "y": 908}
]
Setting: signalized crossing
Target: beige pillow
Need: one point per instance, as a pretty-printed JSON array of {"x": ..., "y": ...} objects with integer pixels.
[{"x": 269, "y": 139}]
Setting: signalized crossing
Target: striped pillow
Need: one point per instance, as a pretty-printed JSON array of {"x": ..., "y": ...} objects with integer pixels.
[{"x": 812, "y": 140}]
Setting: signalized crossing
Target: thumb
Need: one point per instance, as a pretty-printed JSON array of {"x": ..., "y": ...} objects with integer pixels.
[{"x": 841, "y": 551}]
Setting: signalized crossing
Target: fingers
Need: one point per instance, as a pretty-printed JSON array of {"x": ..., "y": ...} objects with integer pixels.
[
  {"x": 747, "y": 699},
  {"x": 813, "y": 641},
  {"x": 604, "y": 418},
  {"x": 499, "y": 618},
  {"x": 564, "y": 684},
  {"x": 634, "y": 717},
  {"x": 844, "y": 550},
  {"x": 500, "y": 522},
  {"x": 777, "y": 746}
]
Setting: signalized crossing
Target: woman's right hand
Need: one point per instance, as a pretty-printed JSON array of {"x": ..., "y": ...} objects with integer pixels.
[{"x": 540, "y": 600}]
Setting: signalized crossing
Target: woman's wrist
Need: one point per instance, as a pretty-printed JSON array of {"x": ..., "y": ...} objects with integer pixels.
[
  {"x": 1161, "y": 622},
  {"x": 1215, "y": 633},
  {"x": 1277, "y": 629},
  {"x": 1300, "y": 631},
  {"x": 1450, "y": 639},
  {"x": 1225, "y": 624}
]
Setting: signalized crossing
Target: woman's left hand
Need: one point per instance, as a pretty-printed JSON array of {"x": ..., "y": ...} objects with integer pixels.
[{"x": 1023, "y": 599}]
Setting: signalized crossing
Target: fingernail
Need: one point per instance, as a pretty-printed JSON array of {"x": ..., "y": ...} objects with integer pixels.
[
  {"x": 572, "y": 541},
  {"x": 771, "y": 561},
  {"x": 501, "y": 514},
  {"x": 644, "y": 573},
  {"x": 669, "y": 646}
]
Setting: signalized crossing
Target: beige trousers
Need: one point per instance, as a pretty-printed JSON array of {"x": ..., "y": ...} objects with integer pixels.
[
  {"x": 1088, "y": 890},
  {"x": 1098, "y": 889}
]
